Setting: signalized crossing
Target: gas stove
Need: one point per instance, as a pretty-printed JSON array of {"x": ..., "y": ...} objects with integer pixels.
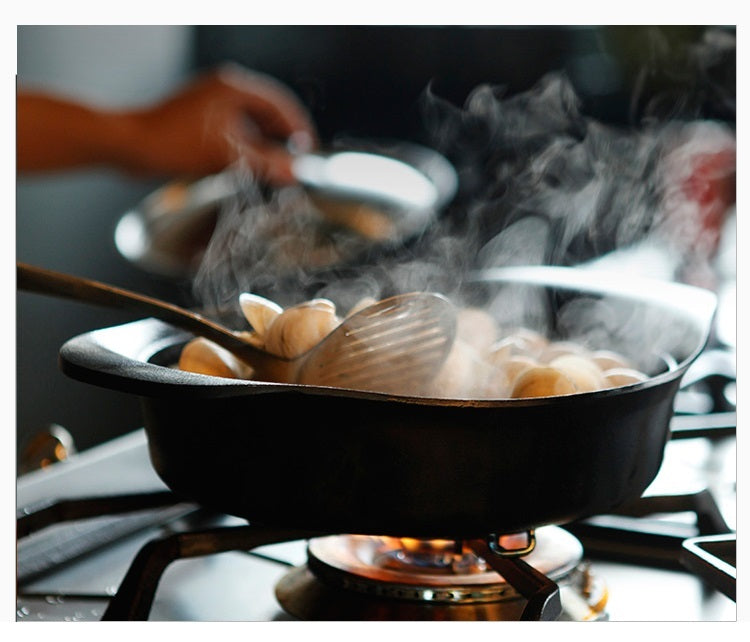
[{"x": 101, "y": 537}]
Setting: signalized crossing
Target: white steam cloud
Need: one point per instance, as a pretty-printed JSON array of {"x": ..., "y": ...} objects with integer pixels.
[{"x": 540, "y": 183}]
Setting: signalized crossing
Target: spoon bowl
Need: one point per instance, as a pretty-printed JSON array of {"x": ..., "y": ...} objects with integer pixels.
[{"x": 403, "y": 338}]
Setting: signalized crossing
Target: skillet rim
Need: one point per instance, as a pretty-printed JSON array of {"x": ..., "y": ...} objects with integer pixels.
[{"x": 92, "y": 358}]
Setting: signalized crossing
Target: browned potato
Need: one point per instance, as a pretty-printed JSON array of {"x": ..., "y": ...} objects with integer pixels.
[
  {"x": 300, "y": 328},
  {"x": 512, "y": 346},
  {"x": 616, "y": 377},
  {"x": 252, "y": 337},
  {"x": 205, "y": 357},
  {"x": 534, "y": 342},
  {"x": 581, "y": 370},
  {"x": 559, "y": 349},
  {"x": 480, "y": 365},
  {"x": 259, "y": 311},
  {"x": 514, "y": 366},
  {"x": 606, "y": 360},
  {"x": 542, "y": 381}
]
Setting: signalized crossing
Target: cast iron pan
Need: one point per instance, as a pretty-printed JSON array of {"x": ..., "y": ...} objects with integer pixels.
[{"x": 337, "y": 460}]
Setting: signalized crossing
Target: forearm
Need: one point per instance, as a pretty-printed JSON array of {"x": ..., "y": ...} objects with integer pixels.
[
  {"x": 213, "y": 122},
  {"x": 54, "y": 133}
]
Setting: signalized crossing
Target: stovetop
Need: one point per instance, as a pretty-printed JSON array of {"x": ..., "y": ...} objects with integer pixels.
[{"x": 239, "y": 585}]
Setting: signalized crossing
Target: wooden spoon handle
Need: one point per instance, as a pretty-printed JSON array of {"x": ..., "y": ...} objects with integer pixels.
[{"x": 42, "y": 281}]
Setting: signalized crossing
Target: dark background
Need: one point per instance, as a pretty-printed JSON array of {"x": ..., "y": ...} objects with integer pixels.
[
  {"x": 365, "y": 80},
  {"x": 361, "y": 81}
]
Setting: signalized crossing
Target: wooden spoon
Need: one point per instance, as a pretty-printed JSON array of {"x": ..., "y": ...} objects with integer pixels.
[{"x": 395, "y": 343}]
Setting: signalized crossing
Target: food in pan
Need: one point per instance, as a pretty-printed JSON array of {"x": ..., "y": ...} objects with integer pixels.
[
  {"x": 206, "y": 357},
  {"x": 484, "y": 362}
]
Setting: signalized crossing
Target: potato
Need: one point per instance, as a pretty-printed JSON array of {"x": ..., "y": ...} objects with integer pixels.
[
  {"x": 606, "y": 360},
  {"x": 259, "y": 311},
  {"x": 481, "y": 364},
  {"x": 300, "y": 328},
  {"x": 616, "y": 377},
  {"x": 542, "y": 381},
  {"x": 516, "y": 365},
  {"x": 534, "y": 342},
  {"x": 581, "y": 370},
  {"x": 252, "y": 337},
  {"x": 557, "y": 349},
  {"x": 512, "y": 346},
  {"x": 206, "y": 357}
]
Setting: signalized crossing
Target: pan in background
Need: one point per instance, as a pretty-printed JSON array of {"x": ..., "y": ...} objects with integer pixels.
[{"x": 353, "y": 200}]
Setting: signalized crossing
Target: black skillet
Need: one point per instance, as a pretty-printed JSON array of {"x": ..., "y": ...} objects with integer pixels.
[{"x": 337, "y": 460}]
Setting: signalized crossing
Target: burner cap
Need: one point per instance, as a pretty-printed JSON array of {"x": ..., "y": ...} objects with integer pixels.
[{"x": 358, "y": 577}]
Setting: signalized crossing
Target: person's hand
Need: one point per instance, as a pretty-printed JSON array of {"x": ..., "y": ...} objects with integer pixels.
[
  {"x": 219, "y": 119},
  {"x": 227, "y": 116}
]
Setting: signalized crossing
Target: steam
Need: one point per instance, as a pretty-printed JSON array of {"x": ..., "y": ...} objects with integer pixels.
[
  {"x": 540, "y": 183},
  {"x": 271, "y": 243},
  {"x": 550, "y": 186}
]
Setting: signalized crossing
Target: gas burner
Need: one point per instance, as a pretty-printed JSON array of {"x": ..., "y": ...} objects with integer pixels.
[{"x": 357, "y": 577}]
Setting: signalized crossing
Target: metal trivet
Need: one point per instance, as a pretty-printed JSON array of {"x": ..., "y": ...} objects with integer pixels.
[
  {"x": 537, "y": 596},
  {"x": 347, "y": 577}
]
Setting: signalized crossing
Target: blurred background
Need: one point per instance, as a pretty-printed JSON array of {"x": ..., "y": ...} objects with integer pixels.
[{"x": 358, "y": 81}]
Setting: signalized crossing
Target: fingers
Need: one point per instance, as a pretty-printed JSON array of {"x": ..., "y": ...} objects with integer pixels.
[
  {"x": 268, "y": 159},
  {"x": 270, "y": 162},
  {"x": 273, "y": 107},
  {"x": 223, "y": 117},
  {"x": 279, "y": 124}
]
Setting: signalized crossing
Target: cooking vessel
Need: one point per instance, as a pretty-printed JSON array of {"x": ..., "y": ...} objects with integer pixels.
[
  {"x": 338, "y": 460},
  {"x": 356, "y": 198}
]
